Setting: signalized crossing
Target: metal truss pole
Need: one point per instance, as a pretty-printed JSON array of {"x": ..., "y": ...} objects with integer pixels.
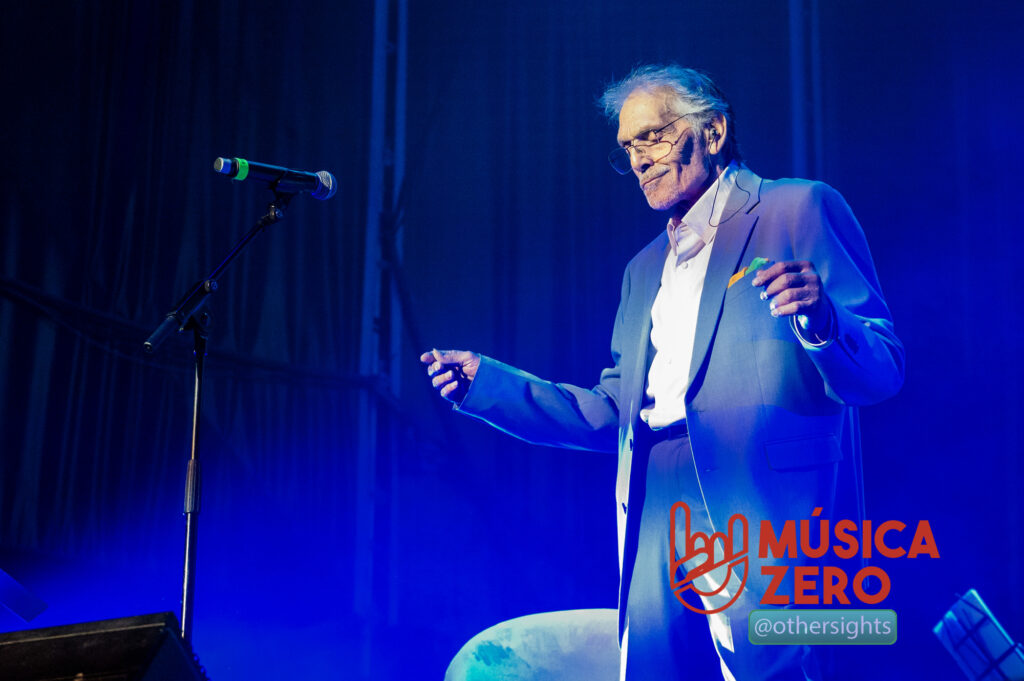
[{"x": 380, "y": 346}]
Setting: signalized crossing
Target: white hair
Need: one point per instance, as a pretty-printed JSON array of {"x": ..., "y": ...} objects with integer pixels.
[{"x": 692, "y": 94}]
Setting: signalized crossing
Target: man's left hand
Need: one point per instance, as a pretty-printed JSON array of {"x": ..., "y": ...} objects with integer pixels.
[{"x": 794, "y": 288}]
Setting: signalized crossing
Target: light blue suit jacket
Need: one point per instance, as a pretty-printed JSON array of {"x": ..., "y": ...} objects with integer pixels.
[{"x": 772, "y": 420}]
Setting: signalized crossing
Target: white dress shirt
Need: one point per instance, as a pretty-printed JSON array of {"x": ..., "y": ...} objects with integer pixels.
[{"x": 674, "y": 313}]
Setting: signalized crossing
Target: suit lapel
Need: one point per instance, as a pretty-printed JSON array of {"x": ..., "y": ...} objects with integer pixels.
[
  {"x": 648, "y": 281},
  {"x": 738, "y": 221},
  {"x": 651, "y": 267}
]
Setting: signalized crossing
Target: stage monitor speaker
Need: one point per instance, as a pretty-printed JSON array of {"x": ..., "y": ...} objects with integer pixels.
[{"x": 141, "y": 648}]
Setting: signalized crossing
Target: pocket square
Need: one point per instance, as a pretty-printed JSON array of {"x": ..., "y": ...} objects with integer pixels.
[{"x": 755, "y": 264}]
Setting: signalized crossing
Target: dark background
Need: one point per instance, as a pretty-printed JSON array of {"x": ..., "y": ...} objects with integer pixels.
[{"x": 515, "y": 235}]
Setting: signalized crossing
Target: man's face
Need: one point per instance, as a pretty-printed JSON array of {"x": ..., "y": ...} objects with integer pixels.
[{"x": 678, "y": 179}]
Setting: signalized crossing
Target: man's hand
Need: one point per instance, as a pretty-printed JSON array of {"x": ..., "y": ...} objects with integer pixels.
[
  {"x": 451, "y": 371},
  {"x": 794, "y": 288}
]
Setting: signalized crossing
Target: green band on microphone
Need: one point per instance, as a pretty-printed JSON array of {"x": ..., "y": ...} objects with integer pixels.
[{"x": 243, "y": 170}]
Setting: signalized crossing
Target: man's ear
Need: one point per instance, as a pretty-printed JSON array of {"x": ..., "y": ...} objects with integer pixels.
[{"x": 716, "y": 133}]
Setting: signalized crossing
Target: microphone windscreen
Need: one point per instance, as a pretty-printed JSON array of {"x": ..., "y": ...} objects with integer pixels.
[{"x": 327, "y": 187}]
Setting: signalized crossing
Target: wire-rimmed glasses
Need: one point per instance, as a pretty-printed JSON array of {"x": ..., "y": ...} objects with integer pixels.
[{"x": 654, "y": 150}]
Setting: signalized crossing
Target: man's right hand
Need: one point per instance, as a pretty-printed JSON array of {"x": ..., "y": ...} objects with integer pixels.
[{"x": 451, "y": 371}]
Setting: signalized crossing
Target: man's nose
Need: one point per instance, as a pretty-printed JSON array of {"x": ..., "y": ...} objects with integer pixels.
[{"x": 638, "y": 160}]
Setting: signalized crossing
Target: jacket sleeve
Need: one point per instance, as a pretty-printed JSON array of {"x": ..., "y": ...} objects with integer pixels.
[
  {"x": 543, "y": 412},
  {"x": 864, "y": 363}
]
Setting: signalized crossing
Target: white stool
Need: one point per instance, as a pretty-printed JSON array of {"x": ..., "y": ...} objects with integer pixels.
[{"x": 569, "y": 645}]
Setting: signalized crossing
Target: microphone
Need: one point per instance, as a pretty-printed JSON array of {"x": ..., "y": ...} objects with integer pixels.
[{"x": 321, "y": 185}]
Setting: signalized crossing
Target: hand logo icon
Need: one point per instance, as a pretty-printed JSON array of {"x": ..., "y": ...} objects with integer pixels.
[{"x": 700, "y": 548}]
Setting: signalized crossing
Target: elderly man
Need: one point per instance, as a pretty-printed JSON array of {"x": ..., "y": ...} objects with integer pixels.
[{"x": 748, "y": 332}]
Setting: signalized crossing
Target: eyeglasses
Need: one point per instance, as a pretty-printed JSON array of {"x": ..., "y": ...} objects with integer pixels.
[{"x": 654, "y": 150}]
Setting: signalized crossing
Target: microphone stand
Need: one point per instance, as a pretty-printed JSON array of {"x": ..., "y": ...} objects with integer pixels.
[{"x": 187, "y": 316}]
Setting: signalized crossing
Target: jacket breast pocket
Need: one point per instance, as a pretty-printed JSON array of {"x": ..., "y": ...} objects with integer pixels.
[
  {"x": 803, "y": 452},
  {"x": 743, "y": 287}
]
